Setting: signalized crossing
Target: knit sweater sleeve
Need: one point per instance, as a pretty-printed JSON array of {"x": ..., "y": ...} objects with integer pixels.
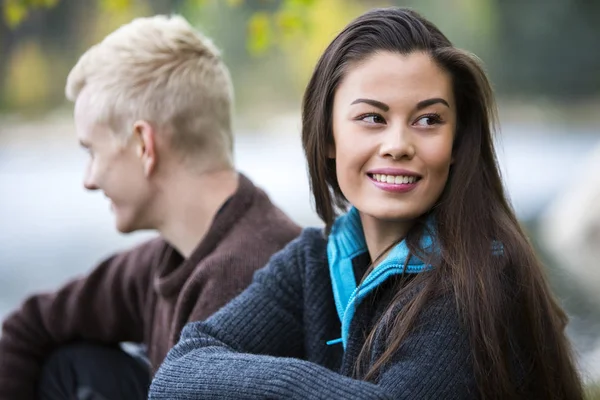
[
  {"x": 251, "y": 349},
  {"x": 104, "y": 306}
]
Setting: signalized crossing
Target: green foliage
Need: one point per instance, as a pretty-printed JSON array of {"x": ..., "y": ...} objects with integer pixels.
[
  {"x": 530, "y": 49},
  {"x": 15, "y": 11},
  {"x": 115, "y": 5},
  {"x": 266, "y": 28},
  {"x": 593, "y": 392}
]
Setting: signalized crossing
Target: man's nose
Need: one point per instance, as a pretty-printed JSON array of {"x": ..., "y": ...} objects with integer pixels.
[{"x": 88, "y": 180}]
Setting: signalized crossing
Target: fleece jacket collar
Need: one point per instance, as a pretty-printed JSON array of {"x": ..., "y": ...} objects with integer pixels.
[{"x": 346, "y": 241}]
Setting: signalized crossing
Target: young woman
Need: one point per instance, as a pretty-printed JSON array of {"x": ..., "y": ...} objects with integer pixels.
[{"x": 423, "y": 284}]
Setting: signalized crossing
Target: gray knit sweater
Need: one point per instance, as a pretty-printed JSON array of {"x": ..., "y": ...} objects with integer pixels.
[{"x": 270, "y": 342}]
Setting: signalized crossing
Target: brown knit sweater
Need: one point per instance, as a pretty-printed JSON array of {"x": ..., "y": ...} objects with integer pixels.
[{"x": 147, "y": 294}]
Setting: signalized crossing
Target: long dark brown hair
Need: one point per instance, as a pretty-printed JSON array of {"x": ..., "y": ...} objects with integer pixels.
[{"x": 503, "y": 297}]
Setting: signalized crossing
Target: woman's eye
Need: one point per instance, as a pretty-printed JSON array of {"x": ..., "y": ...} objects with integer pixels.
[
  {"x": 428, "y": 120},
  {"x": 372, "y": 119}
]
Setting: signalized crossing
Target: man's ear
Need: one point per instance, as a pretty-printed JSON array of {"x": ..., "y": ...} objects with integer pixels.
[{"x": 144, "y": 137}]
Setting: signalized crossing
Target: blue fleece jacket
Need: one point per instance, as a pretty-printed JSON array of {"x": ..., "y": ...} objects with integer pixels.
[{"x": 346, "y": 242}]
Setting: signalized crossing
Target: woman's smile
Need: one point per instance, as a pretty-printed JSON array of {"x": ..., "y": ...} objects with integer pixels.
[{"x": 394, "y": 180}]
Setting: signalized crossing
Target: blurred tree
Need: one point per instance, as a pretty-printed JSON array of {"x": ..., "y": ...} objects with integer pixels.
[
  {"x": 531, "y": 48},
  {"x": 27, "y": 79},
  {"x": 547, "y": 47},
  {"x": 15, "y": 11},
  {"x": 320, "y": 23},
  {"x": 64, "y": 28},
  {"x": 56, "y": 34},
  {"x": 282, "y": 17}
]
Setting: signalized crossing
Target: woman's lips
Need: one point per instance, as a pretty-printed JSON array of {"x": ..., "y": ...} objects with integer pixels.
[{"x": 397, "y": 183}]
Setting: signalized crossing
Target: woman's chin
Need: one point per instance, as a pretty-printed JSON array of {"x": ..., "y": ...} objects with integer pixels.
[{"x": 391, "y": 213}]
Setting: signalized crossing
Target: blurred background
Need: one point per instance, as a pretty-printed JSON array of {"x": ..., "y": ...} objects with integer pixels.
[{"x": 541, "y": 56}]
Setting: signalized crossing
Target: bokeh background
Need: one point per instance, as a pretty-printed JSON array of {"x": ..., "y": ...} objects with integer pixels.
[{"x": 541, "y": 55}]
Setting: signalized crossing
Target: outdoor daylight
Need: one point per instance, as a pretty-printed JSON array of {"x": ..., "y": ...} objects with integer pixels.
[{"x": 58, "y": 224}]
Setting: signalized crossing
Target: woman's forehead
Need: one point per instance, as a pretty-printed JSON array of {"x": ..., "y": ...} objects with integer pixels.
[{"x": 391, "y": 76}]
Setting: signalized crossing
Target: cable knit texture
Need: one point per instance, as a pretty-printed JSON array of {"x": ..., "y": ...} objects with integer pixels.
[
  {"x": 147, "y": 294},
  {"x": 270, "y": 342}
]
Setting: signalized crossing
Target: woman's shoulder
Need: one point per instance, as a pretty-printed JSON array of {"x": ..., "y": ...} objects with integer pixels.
[
  {"x": 308, "y": 248},
  {"x": 314, "y": 237},
  {"x": 290, "y": 268},
  {"x": 306, "y": 251},
  {"x": 311, "y": 240}
]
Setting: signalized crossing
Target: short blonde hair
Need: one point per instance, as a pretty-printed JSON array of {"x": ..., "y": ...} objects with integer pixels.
[{"x": 161, "y": 70}]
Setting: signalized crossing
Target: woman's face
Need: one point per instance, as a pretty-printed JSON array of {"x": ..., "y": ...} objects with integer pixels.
[{"x": 394, "y": 119}]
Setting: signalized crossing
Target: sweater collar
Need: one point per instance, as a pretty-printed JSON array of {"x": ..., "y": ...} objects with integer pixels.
[
  {"x": 346, "y": 241},
  {"x": 174, "y": 270}
]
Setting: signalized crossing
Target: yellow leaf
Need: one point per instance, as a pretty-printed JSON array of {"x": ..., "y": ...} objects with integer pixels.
[
  {"x": 111, "y": 17},
  {"x": 288, "y": 22},
  {"x": 115, "y": 5},
  {"x": 259, "y": 33},
  {"x": 40, "y": 3},
  {"x": 234, "y": 3},
  {"x": 296, "y": 3},
  {"x": 323, "y": 19},
  {"x": 50, "y": 3},
  {"x": 290, "y": 25},
  {"x": 27, "y": 79},
  {"x": 14, "y": 13}
]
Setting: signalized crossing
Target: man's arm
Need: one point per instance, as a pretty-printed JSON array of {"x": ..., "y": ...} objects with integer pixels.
[{"x": 105, "y": 306}]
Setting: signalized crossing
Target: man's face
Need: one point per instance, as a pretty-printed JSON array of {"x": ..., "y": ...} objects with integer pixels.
[{"x": 115, "y": 167}]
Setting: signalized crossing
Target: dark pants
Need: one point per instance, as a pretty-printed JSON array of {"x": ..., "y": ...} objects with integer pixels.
[{"x": 91, "y": 372}]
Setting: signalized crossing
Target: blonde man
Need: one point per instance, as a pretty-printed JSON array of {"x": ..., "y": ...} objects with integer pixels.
[{"x": 152, "y": 107}]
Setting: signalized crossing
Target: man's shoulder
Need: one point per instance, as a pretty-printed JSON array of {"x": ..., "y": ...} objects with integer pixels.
[
  {"x": 154, "y": 244},
  {"x": 143, "y": 254},
  {"x": 265, "y": 221}
]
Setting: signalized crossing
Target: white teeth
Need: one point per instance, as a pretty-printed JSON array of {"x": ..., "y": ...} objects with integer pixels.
[{"x": 396, "y": 179}]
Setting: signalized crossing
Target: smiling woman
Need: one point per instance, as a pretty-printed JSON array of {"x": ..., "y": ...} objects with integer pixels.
[
  {"x": 423, "y": 284},
  {"x": 393, "y": 131}
]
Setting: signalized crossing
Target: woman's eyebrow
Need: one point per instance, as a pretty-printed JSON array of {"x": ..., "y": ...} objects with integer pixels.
[
  {"x": 426, "y": 103},
  {"x": 420, "y": 105},
  {"x": 372, "y": 102}
]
